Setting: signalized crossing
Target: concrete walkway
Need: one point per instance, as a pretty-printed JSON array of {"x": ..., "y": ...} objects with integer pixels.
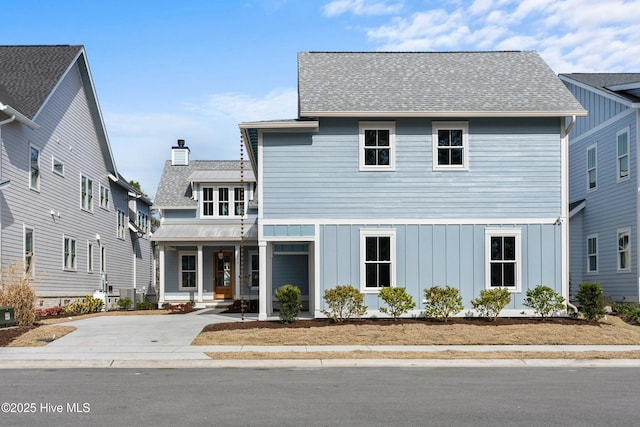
[{"x": 164, "y": 341}]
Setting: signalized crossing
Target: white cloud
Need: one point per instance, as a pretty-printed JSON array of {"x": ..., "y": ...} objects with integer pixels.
[
  {"x": 141, "y": 141},
  {"x": 361, "y": 7}
]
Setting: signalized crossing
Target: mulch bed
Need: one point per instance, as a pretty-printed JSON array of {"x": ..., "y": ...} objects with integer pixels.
[
  {"x": 9, "y": 334},
  {"x": 318, "y": 323}
]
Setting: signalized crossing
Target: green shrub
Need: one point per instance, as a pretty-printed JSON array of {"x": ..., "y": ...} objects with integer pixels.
[
  {"x": 145, "y": 305},
  {"x": 491, "y": 302},
  {"x": 544, "y": 301},
  {"x": 634, "y": 315},
  {"x": 344, "y": 302},
  {"x": 16, "y": 291},
  {"x": 124, "y": 303},
  {"x": 84, "y": 305},
  {"x": 442, "y": 303},
  {"x": 591, "y": 299},
  {"x": 398, "y": 301},
  {"x": 290, "y": 301}
]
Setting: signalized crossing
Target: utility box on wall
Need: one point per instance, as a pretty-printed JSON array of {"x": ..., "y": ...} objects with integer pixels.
[{"x": 7, "y": 317}]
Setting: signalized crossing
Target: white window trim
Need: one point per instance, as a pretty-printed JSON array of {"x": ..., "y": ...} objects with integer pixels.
[
  {"x": 53, "y": 165},
  {"x": 595, "y": 168},
  {"x": 376, "y": 232},
  {"x": 596, "y": 254},
  {"x": 121, "y": 229},
  {"x": 503, "y": 232},
  {"x": 391, "y": 127},
  {"x": 216, "y": 201},
  {"x": 74, "y": 259},
  {"x": 435, "y": 127},
  {"x": 620, "y": 231},
  {"x": 90, "y": 253},
  {"x": 26, "y": 227},
  {"x": 180, "y": 255},
  {"x": 251, "y": 255},
  {"x": 33, "y": 147},
  {"x": 108, "y": 192},
  {"x": 90, "y": 199},
  {"x": 628, "y": 155}
]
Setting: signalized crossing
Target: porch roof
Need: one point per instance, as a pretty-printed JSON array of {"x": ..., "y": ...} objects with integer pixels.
[{"x": 203, "y": 232}]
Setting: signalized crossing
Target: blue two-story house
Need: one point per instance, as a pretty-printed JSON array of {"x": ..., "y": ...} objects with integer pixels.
[
  {"x": 414, "y": 170},
  {"x": 604, "y": 182}
]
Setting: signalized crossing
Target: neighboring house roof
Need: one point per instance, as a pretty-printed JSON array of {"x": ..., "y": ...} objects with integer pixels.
[
  {"x": 436, "y": 84},
  {"x": 174, "y": 189},
  {"x": 624, "y": 85},
  {"x": 203, "y": 232},
  {"x": 28, "y": 74}
]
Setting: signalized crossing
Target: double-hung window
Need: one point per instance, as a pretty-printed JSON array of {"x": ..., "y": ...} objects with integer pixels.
[
  {"x": 622, "y": 139},
  {"x": 28, "y": 249},
  {"x": 592, "y": 168},
  {"x": 188, "y": 271},
  {"x": 69, "y": 253},
  {"x": 450, "y": 146},
  {"x": 208, "y": 201},
  {"x": 377, "y": 254},
  {"x": 104, "y": 197},
  {"x": 255, "y": 269},
  {"x": 624, "y": 249},
  {"x": 86, "y": 193},
  {"x": 222, "y": 201},
  {"x": 503, "y": 258},
  {"x": 57, "y": 166},
  {"x": 89, "y": 257},
  {"x": 592, "y": 253},
  {"x": 122, "y": 224},
  {"x": 377, "y": 146},
  {"x": 34, "y": 178}
]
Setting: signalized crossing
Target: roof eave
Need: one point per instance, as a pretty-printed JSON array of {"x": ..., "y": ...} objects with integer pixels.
[
  {"x": 9, "y": 110},
  {"x": 307, "y": 125},
  {"x": 158, "y": 207},
  {"x": 445, "y": 113}
]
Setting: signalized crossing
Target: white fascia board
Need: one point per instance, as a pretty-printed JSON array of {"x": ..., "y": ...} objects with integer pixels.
[
  {"x": 444, "y": 113},
  {"x": 9, "y": 110},
  {"x": 163, "y": 207},
  {"x": 309, "y": 125},
  {"x": 406, "y": 221}
]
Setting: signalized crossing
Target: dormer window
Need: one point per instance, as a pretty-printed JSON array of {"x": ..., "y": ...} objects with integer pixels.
[{"x": 222, "y": 202}]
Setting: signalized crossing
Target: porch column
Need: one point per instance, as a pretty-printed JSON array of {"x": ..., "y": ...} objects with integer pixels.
[
  {"x": 199, "y": 280},
  {"x": 262, "y": 257},
  {"x": 161, "y": 261}
]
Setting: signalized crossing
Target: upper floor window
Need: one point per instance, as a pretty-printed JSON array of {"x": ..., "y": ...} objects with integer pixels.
[
  {"x": 57, "y": 166},
  {"x": 450, "y": 146},
  {"x": 222, "y": 201},
  {"x": 377, "y": 254},
  {"x": 122, "y": 224},
  {"x": 377, "y": 146},
  {"x": 592, "y": 253},
  {"x": 592, "y": 171},
  {"x": 622, "y": 138},
  {"x": 104, "y": 197},
  {"x": 86, "y": 193},
  {"x": 624, "y": 249},
  {"x": 34, "y": 180},
  {"x": 503, "y": 258},
  {"x": 28, "y": 249},
  {"x": 70, "y": 253},
  {"x": 89, "y": 257},
  {"x": 143, "y": 222}
]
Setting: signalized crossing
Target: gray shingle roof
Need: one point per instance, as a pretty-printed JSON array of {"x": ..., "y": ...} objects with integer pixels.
[
  {"x": 430, "y": 83},
  {"x": 603, "y": 81},
  {"x": 28, "y": 74},
  {"x": 174, "y": 188}
]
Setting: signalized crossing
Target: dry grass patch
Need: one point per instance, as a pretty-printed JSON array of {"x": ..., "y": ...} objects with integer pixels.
[
  {"x": 41, "y": 336},
  {"x": 504, "y": 331},
  {"x": 69, "y": 318}
]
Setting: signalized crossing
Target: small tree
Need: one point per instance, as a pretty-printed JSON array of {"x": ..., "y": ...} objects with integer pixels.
[
  {"x": 591, "y": 299},
  {"x": 491, "y": 302},
  {"x": 442, "y": 303},
  {"x": 344, "y": 302},
  {"x": 398, "y": 301},
  {"x": 290, "y": 301},
  {"x": 544, "y": 301}
]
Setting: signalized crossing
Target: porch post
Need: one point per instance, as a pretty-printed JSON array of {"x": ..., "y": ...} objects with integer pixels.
[
  {"x": 199, "y": 280},
  {"x": 262, "y": 257},
  {"x": 161, "y": 260}
]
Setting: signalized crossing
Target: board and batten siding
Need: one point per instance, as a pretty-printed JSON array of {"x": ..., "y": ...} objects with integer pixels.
[
  {"x": 600, "y": 109},
  {"x": 430, "y": 255},
  {"x": 609, "y": 208},
  {"x": 514, "y": 172},
  {"x": 67, "y": 133}
]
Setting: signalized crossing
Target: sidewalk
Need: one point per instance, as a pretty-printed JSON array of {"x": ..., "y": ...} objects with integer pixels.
[{"x": 164, "y": 341}]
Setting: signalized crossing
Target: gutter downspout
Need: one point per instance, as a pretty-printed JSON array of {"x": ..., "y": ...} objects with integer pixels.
[{"x": 564, "y": 208}]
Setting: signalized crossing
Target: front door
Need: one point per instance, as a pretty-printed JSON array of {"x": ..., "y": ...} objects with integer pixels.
[{"x": 223, "y": 280}]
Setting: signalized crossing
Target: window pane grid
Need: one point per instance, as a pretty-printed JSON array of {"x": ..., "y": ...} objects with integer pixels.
[{"x": 377, "y": 262}]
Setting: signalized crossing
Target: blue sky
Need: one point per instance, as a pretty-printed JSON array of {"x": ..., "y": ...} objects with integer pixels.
[{"x": 194, "y": 69}]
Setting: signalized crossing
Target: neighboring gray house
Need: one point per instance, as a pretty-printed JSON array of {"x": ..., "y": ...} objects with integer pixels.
[
  {"x": 604, "y": 183},
  {"x": 414, "y": 170},
  {"x": 65, "y": 211},
  {"x": 205, "y": 207}
]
